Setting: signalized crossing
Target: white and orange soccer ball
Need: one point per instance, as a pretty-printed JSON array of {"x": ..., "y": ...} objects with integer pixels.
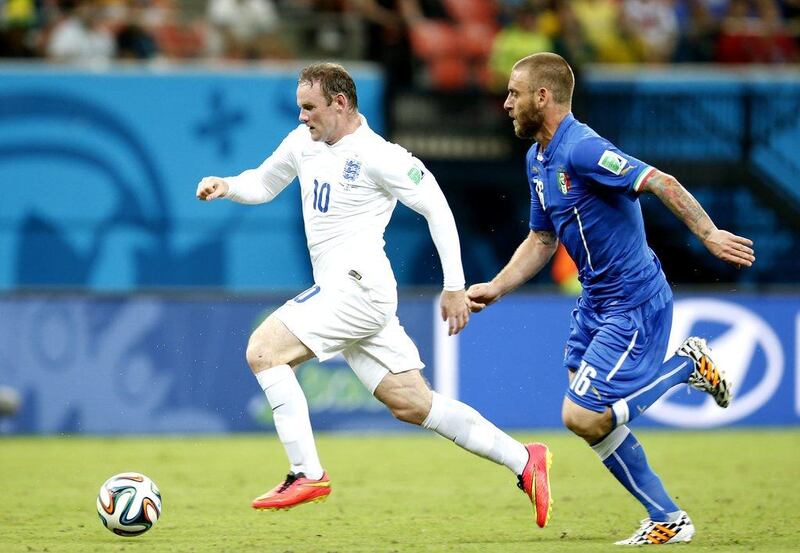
[{"x": 129, "y": 503}]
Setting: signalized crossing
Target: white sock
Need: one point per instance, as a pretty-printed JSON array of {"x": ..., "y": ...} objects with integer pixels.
[
  {"x": 290, "y": 411},
  {"x": 462, "y": 424},
  {"x": 608, "y": 445}
]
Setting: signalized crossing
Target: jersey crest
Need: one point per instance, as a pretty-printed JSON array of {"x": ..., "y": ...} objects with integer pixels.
[
  {"x": 564, "y": 182},
  {"x": 352, "y": 168}
]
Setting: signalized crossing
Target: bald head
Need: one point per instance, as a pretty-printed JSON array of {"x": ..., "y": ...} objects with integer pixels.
[{"x": 549, "y": 71}]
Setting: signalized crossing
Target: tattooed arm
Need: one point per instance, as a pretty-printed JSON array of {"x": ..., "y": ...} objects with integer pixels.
[
  {"x": 533, "y": 254},
  {"x": 728, "y": 247}
]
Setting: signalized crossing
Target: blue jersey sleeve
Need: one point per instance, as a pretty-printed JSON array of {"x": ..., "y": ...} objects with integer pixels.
[
  {"x": 599, "y": 162},
  {"x": 539, "y": 219}
]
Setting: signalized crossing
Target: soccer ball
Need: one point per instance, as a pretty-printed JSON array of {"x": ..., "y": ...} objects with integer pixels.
[{"x": 129, "y": 503}]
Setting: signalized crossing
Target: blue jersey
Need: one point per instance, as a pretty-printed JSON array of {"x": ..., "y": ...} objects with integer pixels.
[{"x": 586, "y": 190}]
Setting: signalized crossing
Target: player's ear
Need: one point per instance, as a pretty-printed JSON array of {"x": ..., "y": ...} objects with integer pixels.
[
  {"x": 341, "y": 102},
  {"x": 542, "y": 95}
]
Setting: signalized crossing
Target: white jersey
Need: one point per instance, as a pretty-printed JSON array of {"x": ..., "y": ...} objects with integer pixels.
[{"x": 349, "y": 190}]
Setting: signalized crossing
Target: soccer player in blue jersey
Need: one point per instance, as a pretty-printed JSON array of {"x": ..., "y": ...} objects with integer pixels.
[{"x": 584, "y": 192}]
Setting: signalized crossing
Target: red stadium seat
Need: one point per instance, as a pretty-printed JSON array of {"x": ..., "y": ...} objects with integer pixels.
[
  {"x": 179, "y": 41},
  {"x": 449, "y": 73},
  {"x": 477, "y": 38},
  {"x": 472, "y": 10},
  {"x": 434, "y": 39}
]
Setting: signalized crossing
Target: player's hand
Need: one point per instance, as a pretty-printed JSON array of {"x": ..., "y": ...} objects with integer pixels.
[
  {"x": 211, "y": 188},
  {"x": 454, "y": 310},
  {"x": 733, "y": 249},
  {"x": 481, "y": 295}
]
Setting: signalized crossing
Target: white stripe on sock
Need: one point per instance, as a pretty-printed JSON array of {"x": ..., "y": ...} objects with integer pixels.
[
  {"x": 633, "y": 483},
  {"x": 610, "y": 443}
]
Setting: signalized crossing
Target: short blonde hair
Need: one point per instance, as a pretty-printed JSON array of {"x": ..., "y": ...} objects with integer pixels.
[{"x": 550, "y": 71}]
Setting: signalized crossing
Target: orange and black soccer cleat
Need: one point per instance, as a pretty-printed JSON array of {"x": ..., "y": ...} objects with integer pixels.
[
  {"x": 535, "y": 481},
  {"x": 294, "y": 491},
  {"x": 706, "y": 376},
  {"x": 652, "y": 532}
]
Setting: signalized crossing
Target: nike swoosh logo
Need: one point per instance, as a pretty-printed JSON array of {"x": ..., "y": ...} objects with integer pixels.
[{"x": 317, "y": 485}]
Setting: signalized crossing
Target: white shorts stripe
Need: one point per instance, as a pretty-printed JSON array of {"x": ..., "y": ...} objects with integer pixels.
[{"x": 622, "y": 358}]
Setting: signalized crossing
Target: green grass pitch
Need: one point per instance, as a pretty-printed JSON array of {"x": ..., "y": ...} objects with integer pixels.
[{"x": 408, "y": 492}]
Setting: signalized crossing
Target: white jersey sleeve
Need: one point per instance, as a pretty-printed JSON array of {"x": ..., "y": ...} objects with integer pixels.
[
  {"x": 406, "y": 178},
  {"x": 262, "y": 184}
]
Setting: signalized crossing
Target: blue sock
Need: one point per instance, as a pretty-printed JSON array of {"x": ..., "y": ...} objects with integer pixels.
[
  {"x": 674, "y": 371},
  {"x": 624, "y": 456}
]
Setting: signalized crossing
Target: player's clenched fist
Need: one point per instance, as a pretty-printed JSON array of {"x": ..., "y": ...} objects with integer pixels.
[{"x": 211, "y": 188}]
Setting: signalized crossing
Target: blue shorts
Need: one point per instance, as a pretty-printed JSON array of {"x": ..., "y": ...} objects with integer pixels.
[{"x": 617, "y": 354}]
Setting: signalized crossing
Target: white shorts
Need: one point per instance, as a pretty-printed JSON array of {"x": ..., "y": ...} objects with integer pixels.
[{"x": 344, "y": 318}]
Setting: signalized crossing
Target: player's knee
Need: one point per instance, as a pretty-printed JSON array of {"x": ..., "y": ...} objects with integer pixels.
[{"x": 259, "y": 355}]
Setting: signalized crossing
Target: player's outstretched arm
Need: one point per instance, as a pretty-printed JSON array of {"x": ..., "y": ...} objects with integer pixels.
[
  {"x": 211, "y": 188},
  {"x": 531, "y": 255},
  {"x": 727, "y": 246}
]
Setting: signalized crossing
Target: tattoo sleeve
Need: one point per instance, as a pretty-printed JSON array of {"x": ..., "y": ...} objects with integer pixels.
[{"x": 685, "y": 207}]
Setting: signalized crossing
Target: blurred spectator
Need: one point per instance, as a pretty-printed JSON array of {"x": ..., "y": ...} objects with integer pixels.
[
  {"x": 246, "y": 29},
  {"x": 17, "y": 19},
  {"x": 699, "y": 25},
  {"x": 791, "y": 13},
  {"x": 654, "y": 27},
  {"x": 134, "y": 23},
  {"x": 135, "y": 43},
  {"x": 80, "y": 37},
  {"x": 600, "y": 19},
  {"x": 570, "y": 41},
  {"x": 387, "y": 40},
  {"x": 753, "y": 31},
  {"x": 521, "y": 38}
]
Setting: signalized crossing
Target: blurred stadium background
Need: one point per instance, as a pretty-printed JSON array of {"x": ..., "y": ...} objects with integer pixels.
[{"x": 125, "y": 304}]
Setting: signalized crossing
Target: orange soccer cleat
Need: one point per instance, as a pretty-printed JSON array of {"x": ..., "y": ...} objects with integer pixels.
[
  {"x": 294, "y": 491},
  {"x": 535, "y": 481}
]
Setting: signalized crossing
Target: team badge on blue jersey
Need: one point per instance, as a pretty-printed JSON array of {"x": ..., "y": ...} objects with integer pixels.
[
  {"x": 352, "y": 168},
  {"x": 564, "y": 182}
]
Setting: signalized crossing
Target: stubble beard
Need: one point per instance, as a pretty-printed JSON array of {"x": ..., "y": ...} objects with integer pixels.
[{"x": 528, "y": 123}]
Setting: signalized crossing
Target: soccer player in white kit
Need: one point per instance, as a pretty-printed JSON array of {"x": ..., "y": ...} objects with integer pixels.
[{"x": 350, "y": 181}]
